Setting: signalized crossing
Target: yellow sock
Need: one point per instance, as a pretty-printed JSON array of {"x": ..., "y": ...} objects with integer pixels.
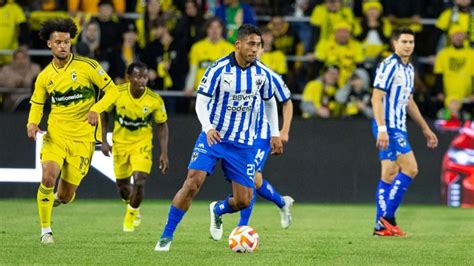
[
  {"x": 45, "y": 200},
  {"x": 130, "y": 216}
]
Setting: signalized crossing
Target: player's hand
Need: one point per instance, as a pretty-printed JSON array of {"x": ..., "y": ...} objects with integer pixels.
[
  {"x": 276, "y": 146},
  {"x": 106, "y": 148},
  {"x": 164, "y": 163},
  {"x": 284, "y": 136},
  {"x": 382, "y": 141},
  {"x": 93, "y": 118},
  {"x": 32, "y": 129},
  {"x": 213, "y": 137},
  {"x": 432, "y": 140}
]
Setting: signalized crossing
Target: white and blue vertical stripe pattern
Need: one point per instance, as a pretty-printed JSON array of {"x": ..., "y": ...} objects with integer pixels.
[
  {"x": 397, "y": 80},
  {"x": 235, "y": 94},
  {"x": 282, "y": 94}
]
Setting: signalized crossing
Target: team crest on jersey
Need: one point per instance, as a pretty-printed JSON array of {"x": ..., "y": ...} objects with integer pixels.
[
  {"x": 101, "y": 71},
  {"x": 194, "y": 156},
  {"x": 74, "y": 76},
  {"x": 145, "y": 109}
]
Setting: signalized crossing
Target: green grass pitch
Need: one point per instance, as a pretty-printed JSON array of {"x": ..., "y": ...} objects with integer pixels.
[{"x": 89, "y": 232}]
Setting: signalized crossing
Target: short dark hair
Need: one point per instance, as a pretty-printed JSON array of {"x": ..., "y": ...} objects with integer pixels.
[
  {"x": 59, "y": 25},
  {"x": 137, "y": 65},
  {"x": 247, "y": 29},
  {"x": 397, "y": 32},
  {"x": 212, "y": 20}
]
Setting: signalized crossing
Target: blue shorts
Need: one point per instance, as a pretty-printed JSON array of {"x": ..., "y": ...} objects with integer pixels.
[
  {"x": 397, "y": 143},
  {"x": 262, "y": 149},
  {"x": 237, "y": 160}
]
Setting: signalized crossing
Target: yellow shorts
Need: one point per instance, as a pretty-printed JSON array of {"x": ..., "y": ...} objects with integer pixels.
[
  {"x": 135, "y": 158},
  {"x": 73, "y": 157}
]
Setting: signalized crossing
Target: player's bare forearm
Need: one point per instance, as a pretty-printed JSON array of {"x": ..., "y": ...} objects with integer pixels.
[
  {"x": 287, "y": 118},
  {"x": 415, "y": 114},
  {"x": 104, "y": 119},
  {"x": 377, "y": 96},
  {"x": 163, "y": 136}
]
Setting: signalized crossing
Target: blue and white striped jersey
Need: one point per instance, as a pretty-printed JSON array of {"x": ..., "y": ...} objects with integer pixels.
[
  {"x": 235, "y": 94},
  {"x": 396, "y": 79},
  {"x": 282, "y": 94}
]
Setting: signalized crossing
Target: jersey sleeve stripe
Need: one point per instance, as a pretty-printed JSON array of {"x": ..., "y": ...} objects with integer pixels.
[
  {"x": 78, "y": 59},
  {"x": 214, "y": 80},
  {"x": 279, "y": 92},
  {"x": 204, "y": 93},
  {"x": 105, "y": 86},
  {"x": 31, "y": 101}
]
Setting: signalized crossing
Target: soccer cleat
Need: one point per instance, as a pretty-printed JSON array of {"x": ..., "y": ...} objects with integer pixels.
[
  {"x": 216, "y": 227},
  {"x": 396, "y": 231},
  {"x": 163, "y": 244},
  {"x": 285, "y": 212},
  {"x": 382, "y": 232},
  {"x": 138, "y": 220},
  {"x": 47, "y": 239}
]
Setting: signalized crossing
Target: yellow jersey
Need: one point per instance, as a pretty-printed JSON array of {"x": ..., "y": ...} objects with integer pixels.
[
  {"x": 12, "y": 16},
  {"x": 319, "y": 94},
  {"x": 326, "y": 20},
  {"x": 445, "y": 21},
  {"x": 203, "y": 53},
  {"x": 276, "y": 60},
  {"x": 73, "y": 90},
  {"x": 346, "y": 57},
  {"x": 457, "y": 68},
  {"x": 133, "y": 116}
]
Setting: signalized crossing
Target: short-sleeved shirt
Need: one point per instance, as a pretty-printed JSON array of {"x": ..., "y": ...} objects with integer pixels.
[
  {"x": 396, "y": 79},
  {"x": 203, "y": 53},
  {"x": 73, "y": 90},
  {"x": 235, "y": 94},
  {"x": 134, "y": 116},
  {"x": 457, "y": 68}
]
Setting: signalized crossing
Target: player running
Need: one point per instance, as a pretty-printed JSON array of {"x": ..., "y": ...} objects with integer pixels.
[
  {"x": 73, "y": 84},
  {"x": 391, "y": 99},
  {"x": 228, "y": 93},
  {"x": 134, "y": 110}
]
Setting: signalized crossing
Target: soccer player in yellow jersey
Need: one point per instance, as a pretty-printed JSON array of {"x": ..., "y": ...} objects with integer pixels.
[
  {"x": 204, "y": 52},
  {"x": 73, "y": 84},
  {"x": 132, "y": 137}
]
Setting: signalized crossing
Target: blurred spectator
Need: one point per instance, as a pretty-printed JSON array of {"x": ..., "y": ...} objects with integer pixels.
[
  {"x": 302, "y": 9},
  {"x": 46, "y": 5},
  {"x": 109, "y": 27},
  {"x": 122, "y": 56},
  {"x": 324, "y": 18},
  {"x": 285, "y": 38},
  {"x": 89, "y": 41},
  {"x": 355, "y": 95},
  {"x": 274, "y": 59},
  {"x": 234, "y": 13},
  {"x": 13, "y": 29},
  {"x": 318, "y": 95},
  {"x": 404, "y": 13},
  {"x": 460, "y": 14},
  {"x": 20, "y": 74},
  {"x": 206, "y": 51},
  {"x": 93, "y": 6},
  {"x": 454, "y": 69},
  {"x": 190, "y": 27},
  {"x": 165, "y": 60},
  {"x": 374, "y": 34},
  {"x": 343, "y": 51}
]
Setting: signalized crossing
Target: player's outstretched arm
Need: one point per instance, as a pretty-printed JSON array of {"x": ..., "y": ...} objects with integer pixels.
[
  {"x": 287, "y": 111},
  {"x": 105, "y": 147},
  {"x": 163, "y": 135},
  {"x": 414, "y": 112},
  {"x": 382, "y": 135},
  {"x": 271, "y": 110},
  {"x": 111, "y": 95}
]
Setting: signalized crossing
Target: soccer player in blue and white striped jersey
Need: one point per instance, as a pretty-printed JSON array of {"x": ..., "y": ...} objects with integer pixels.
[
  {"x": 392, "y": 98},
  {"x": 262, "y": 147},
  {"x": 228, "y": 95}
]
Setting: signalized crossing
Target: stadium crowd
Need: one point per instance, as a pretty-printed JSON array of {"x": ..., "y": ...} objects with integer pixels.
[{"x": 326, "y": 50}]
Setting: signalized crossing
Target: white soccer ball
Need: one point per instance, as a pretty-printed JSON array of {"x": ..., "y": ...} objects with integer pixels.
[{"x": 244, "y": 239}]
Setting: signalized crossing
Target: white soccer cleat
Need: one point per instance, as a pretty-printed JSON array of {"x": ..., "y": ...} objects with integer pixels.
[
  {"x": 216, "y": 227},
  {"x": 163, "y": 245},
  {"x": 285, "y": 212},
  {"x": 47, "y": 239}
]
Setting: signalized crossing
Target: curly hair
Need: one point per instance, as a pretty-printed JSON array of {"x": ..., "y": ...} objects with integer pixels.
[{"x": 59, "y": 25}]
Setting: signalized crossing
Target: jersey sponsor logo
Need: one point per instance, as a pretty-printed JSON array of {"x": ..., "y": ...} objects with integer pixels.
[
  {"x": 132, "y": 124},
  {"x": 239, "y": 108},
  {"x": 200, "y": 148},
  {"x": 72, "y": 96}
]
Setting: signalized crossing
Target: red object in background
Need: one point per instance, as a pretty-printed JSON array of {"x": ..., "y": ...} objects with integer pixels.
[{"x": 457, "y": 176}]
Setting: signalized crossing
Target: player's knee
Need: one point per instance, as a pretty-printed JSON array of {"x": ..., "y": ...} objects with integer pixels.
[
  {"x": 258, "y": 180},
  {"x": 242, "y": 203},
  {"x": 65, "y": 196},
  {"x": 191, "y": 185},
  {"x": 411, "y": 171},
  {"x": 49, "y": 176},
  {"x": 140, "y": 181}
]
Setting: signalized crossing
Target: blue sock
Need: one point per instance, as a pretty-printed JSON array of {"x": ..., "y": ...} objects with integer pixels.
[
  {"x": 381, "y": 198},
  {"x": 269, "y": 193},
  {"x": 174, "y": 217},
  {"x": 399, "y": 187},
  {"x": 245, "y": 213},
  {"x": 223, "y": 207}
]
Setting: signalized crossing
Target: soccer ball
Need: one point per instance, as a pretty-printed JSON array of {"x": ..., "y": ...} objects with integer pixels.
[{"x": 244, "y": 239}]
